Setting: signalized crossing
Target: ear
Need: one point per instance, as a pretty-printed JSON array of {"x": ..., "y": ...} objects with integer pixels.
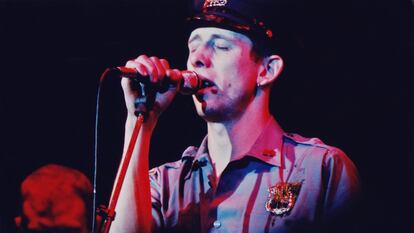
[{"x": 272, "y": 66}]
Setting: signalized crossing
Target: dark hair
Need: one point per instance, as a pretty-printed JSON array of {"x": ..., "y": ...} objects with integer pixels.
[{"x": 260, "y": 49}]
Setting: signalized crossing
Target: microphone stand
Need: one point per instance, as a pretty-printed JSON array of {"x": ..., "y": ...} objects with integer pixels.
[
  {"x": 143, "y": 103},
  {"x": 109, "y": 213}
]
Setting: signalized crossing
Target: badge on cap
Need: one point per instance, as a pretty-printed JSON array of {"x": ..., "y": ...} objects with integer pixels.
[
  {"x": 282, "y": 197},
  {"x": 212, "y": 3}
]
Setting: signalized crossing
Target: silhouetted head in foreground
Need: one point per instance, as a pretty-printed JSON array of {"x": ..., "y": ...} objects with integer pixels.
[{"x": 55, "y": 199}]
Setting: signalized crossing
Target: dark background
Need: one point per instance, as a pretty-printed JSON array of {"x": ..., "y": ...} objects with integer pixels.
[{"x": 349, "y": 84}]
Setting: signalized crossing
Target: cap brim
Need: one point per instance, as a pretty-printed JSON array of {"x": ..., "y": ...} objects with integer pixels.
[{"x": 220, "y": 20}]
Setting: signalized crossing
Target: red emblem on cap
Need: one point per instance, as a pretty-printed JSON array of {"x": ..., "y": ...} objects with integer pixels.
[{"x": 212, "y": 3}]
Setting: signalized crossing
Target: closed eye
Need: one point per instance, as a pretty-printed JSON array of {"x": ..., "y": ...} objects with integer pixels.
[
  {"x": 222, "y": 44},
  {"x": 225, "y": 48}
]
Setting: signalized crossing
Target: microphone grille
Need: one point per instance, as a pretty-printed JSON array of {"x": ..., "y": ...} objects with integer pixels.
[{"x": 190, "y": 84}]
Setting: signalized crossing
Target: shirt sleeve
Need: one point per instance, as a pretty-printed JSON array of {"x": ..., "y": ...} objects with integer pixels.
[
  {"x": 342, "y": 185},
  {"x": 155, "y": 188}
]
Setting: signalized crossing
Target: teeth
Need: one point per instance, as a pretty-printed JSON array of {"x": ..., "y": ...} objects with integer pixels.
[{"x": 207, "y": 83}]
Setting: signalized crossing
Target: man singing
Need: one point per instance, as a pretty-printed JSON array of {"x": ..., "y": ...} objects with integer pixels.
[{"x": 247, "y": 175}]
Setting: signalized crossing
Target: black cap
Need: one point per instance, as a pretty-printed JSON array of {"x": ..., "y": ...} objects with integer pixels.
[{"x": 266, "y": 20}]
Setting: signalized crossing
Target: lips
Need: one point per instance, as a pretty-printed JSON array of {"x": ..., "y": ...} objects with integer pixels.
[
  {"x": 207, "y": 86},
  {"x": 206, "y": 83}
]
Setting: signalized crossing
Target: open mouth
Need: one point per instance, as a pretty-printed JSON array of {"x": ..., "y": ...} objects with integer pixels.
[
  {"x": 206, "y": 83},
  {"x": 207, "y": 86}
]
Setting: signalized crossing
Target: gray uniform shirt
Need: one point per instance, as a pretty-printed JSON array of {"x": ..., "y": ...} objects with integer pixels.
[{"x": 186, "y": 199}]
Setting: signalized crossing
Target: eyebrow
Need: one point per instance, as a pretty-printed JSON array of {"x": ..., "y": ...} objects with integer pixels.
[
  {"x": 213, "y": 36},
  {"x": 196, "y": 37}
]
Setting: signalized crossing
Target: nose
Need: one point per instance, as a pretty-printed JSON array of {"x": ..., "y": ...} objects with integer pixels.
[{"x": 200, "y": 57}]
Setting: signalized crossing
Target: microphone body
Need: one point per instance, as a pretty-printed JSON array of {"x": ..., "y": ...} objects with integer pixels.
[{"x": 189, "y": 84}]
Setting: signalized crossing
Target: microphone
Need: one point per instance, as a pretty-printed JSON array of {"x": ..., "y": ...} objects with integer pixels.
[{"x": 189, "y": 84}]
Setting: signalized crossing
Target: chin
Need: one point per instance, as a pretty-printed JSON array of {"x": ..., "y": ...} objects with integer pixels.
[
  {"x": 213, "y": 113},
  {"x": 206, "y": 111},
  {"x": 214, "y": 110}
]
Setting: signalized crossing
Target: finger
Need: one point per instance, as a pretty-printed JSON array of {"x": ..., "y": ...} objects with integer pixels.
[
  {"x": 165, "y": 64},
  {"x": 149, "y": 66},
  {"x": 174, "y": 75},
  {"x": 142, "y": 70},
  {"x": 160, "y": 68}
]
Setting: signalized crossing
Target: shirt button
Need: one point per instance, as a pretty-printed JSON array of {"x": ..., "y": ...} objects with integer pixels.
[{"x": 217, "y": 224}]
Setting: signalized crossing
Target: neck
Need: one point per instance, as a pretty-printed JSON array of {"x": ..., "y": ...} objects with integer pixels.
[{"x": 231, "y": 140}]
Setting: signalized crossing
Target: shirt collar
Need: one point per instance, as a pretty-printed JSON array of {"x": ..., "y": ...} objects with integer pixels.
[
  {"x": 197, "y": 153},
  {"x": 267, "y": 147}
]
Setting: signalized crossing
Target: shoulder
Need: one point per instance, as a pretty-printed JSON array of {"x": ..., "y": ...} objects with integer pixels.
[
  {"x": 306, "y": 142},
  {"x": 322, "y": 162},
  {"x": 176, "y": 166},
  {"x": 316, "y": 149}
]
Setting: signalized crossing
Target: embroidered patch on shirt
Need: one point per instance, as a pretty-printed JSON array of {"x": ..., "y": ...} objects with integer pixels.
[{"x": 282, "y": 197}]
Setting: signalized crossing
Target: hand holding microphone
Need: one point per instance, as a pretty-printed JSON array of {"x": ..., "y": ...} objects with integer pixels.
[
  {"x": 186, "y": 81},
  {"x": 154, "y": 76}
]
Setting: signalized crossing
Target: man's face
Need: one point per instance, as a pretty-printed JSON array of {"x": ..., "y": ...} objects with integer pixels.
[{"x": 222, "y": 58}]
